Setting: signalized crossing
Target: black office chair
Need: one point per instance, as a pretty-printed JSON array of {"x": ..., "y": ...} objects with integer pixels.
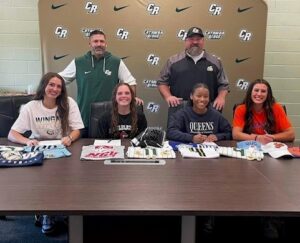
[
  {"x": 9, "y": 112},
  {"x": 97, "y": 109},
  {"x": 172, "y": 110}
]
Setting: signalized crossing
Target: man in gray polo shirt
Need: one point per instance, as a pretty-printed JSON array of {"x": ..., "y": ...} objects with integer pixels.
[{"x": 194, "y": 65}]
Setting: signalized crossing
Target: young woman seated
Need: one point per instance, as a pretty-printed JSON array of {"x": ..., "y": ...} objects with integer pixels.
[
  {"x": 198, "y": 122},
  {"x": 123, "y": 121},
  {"x": 50, "y": 115},
  {"x": 260, "y": 117}
]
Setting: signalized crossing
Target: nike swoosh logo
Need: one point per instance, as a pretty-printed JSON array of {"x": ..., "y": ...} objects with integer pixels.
[
  {"x": 241, "y": 60},
  {"x": 58, "y": 6},
  {"x": 123, "y": 58},
  {"x": 59, "y": 57},
  {"x": 87, "y": 72},
  {"x": 178, "y": 10},
  {"x": 240, "y": 10},
  {"x": 120, "y": 8}
]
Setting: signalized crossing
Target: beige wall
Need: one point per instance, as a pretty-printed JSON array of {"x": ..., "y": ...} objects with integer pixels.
[
  {"x": 282, "y": 58},
  {"x": 20, "y": 54},
  {"x": 20, "y": 57}
]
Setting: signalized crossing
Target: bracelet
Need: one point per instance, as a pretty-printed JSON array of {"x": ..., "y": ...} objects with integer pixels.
[{"x": 70, "y": 137}]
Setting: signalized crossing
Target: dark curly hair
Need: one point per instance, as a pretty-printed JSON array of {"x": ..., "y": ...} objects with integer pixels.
[
  {"x": 61, "y": 101},
  {"x": 267, "y": 107}
]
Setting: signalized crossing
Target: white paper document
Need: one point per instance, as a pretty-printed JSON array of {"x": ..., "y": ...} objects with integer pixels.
[
  {"x": 115, "y": 142},
  {"x": 49, "y": 142}
]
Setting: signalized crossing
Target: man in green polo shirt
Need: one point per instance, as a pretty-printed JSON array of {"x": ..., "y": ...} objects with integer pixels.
[{"x": 96, "y": 73}]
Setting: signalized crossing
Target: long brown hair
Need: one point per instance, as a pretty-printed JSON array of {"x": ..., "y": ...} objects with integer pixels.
[
  {"x": 267, "y": 106},
  {"x": 115, "y": 113},
  {"x": 61, "y": 101}
]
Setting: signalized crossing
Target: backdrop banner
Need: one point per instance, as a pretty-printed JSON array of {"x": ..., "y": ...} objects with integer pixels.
[{"x": 146, "y": 33}]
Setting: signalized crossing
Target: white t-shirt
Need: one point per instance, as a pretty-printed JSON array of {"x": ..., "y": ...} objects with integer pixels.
[{"x": 43, "y": 122}]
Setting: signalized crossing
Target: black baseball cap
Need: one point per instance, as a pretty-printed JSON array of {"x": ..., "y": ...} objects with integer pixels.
[{"x": 194, "y": 31}]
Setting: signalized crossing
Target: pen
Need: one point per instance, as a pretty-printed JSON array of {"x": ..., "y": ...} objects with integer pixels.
[
  {"x": 269, "y": 135},
  {"x": 108, "y": 141}
]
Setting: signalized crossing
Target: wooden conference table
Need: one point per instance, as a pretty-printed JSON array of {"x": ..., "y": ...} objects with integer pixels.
[{"x": 185, "y": 187}]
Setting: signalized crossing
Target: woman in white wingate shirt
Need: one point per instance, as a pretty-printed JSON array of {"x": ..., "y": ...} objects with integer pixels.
[{"x": 50, "y": 115}]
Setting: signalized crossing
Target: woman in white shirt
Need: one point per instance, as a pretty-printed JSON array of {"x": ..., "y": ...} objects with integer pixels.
[{"x": 50, "y": 115}]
